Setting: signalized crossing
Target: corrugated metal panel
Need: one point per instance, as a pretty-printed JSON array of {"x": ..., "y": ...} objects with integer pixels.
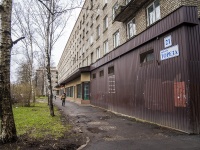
[
  {"x": 158, "y": 91},
  {"x": 193, "y": 51}
]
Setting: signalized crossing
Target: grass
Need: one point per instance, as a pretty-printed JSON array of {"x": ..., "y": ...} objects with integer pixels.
[
  {"x": 41, "y": 97},
  {"x": 37, "y": 122}
]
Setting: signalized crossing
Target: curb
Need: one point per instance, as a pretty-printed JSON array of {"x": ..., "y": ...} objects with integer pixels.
[{"x": 84, "y": 145}]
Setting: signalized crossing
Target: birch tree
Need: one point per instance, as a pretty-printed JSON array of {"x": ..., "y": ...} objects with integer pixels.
[
  {"x": 8, "y": 129},
  {"x": 52, "y": 20}
]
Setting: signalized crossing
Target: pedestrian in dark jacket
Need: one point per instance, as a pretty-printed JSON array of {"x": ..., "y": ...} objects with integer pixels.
[{"x": 63, "y": 99}]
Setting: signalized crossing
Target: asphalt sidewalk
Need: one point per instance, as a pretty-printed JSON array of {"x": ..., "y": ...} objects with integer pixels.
[{"x": 108, "y": 131}]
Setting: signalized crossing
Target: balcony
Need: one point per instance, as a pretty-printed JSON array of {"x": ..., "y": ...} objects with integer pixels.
[{"x": 125, "y": 11}]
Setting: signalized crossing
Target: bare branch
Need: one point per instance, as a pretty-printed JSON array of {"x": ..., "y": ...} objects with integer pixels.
[
  {"x": 15, "y": 42},
  {"x": 46, "y": 7}
]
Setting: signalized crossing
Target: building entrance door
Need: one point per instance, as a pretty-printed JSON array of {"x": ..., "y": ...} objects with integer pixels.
[{"x": 86, "y": 89}]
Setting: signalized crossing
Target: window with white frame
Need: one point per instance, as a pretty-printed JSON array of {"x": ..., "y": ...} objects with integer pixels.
[
  {"x": 131, "y": 29},
  {"x": 105, "y": 47},
  {"x": 116, "y": 40},
  {"x": 153, "y": 12},
  {"x": 105, "y": 23},
  {"x": 83, "y": 49},
  {"x": 98, "y": 31},
  {"x": 91, "y": 39},
  {"x": 114, "y": 9},
  {"x": 98, "y": 52}
]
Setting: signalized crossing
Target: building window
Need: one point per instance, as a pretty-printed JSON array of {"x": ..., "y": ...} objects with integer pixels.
[
  {"x": 98, "y": 12},
  {"x": 86, "y": 88},
  {"x": 153, "y": 12},
  {"x": 91, "y": 39},
  {"x": 94, "y": 76},
  {"x": 147, "y": 56},
  {"x": 101, "y": 73},
  {"x": 116, "y": 40},
  {"x": 105, "y": 47},
  {"x": 87, "y": 61},
  {"x": 91, "y": 4},
  {"x": 70, "y": 91},
  {"x": 127, "y": 1},
  {"x": 87, "y": 44},
  {"x": 83, "y": 18},
  {"x": 91, "y": 57},
  {"x": 83, "y": 33},
  {"x": 98, "y": 31},
  {"x": 98, "y": 52},
  {"x": 83, "y": 49},
  {"x": 131, "y": 29},
  {"x": 105, "y": 23},
  {"x": 111, "y": 70},
  {"x": 114, "y": 10},
  {"x": 92, "y": 20},
  {"x": 105, "y": 3},
  {"x": 79, "y": 91},
  {"x": 77, "y": 56}
]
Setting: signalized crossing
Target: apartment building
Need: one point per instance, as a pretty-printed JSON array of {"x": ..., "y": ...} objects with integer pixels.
[
  {"x": 41, "y": 80},
  {"x": 137, "y": 57}
]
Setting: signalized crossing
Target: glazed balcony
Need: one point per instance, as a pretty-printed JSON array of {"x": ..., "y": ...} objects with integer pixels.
[{"x": 125, "y": 11}]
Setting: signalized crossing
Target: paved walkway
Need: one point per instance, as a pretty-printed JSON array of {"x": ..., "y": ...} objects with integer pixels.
[{"x": 107, "y": 131}]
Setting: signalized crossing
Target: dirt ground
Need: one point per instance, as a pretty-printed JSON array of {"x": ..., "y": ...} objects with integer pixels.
[{"x": 70, "y": 141}]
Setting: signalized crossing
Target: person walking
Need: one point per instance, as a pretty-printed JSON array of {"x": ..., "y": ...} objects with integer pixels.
[{"x": 63, "y": 99}]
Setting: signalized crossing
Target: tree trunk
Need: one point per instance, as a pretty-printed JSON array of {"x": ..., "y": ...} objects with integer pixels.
[
  {"x": 8, "y": 129},
  {"x": 48, "y": 58},
  {"x": 31, "y": 65}
]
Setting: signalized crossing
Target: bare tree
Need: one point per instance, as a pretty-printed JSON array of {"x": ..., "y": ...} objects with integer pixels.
[
  {"x": 24, "y": 26},
  {"x": 51, "y": 20},
  {"x": 8, "y": 129}
]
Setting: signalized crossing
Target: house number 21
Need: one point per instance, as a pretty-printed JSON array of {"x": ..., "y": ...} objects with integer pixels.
[{"x": 168, "y": 41}]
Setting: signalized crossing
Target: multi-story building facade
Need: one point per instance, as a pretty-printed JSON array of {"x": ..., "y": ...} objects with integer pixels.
[
  {"x": 137, "y": 57},
  {"x": 41, "y": 80}
]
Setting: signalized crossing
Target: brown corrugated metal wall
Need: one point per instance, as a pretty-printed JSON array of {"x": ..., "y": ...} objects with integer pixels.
[
  {"x": 193, "y": 52},
  {"x": 163, "y": 92}
]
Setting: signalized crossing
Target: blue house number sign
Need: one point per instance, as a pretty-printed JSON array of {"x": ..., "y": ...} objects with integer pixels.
[
  {"x": 168, "y": 41},
  {"x": 169, "y": 53}
]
